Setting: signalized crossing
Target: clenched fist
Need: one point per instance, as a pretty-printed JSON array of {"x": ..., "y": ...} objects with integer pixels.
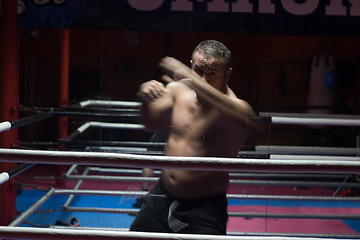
[{"x": 151, "y": 90}]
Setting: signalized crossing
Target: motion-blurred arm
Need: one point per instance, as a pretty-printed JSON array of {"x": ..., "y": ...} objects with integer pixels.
[{"x": 233, "y": 108}]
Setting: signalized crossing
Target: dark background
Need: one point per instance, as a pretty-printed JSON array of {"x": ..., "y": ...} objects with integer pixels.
[{"x": 114, "y": 48}]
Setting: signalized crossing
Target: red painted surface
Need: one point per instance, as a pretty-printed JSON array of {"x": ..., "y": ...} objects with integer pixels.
[
  {"x": 9, "y": 100},
  {"x": 63, "y": 95}
]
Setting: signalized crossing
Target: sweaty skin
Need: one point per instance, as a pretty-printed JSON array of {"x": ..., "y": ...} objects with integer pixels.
[{"x": 199, "y": 126}]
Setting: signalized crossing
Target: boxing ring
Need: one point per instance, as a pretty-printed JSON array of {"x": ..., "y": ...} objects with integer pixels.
[{"x": 253, "y": 164}]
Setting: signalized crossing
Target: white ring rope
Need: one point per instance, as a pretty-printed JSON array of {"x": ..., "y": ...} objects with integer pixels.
[
  {"x": 117, "y": 125},
  {"x": 311, "y": 165},
  {"x": 310, "y": 157},
  {"x": 315, "y": 121},
  {"x": 4, "y": 126},
  {"x": 275, "y": 118},
  {"x": 109, "y": 103},
  {"x": 311, "y": 119},
  {"x": 57, "y": 234},
  {"x": 274, "y": 149},
  {"x": 4, "y": 177},
  {"x": 86, "y": 125}
]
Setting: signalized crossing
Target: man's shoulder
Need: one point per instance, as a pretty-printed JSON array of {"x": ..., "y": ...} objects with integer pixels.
[{"x": 177, "y": 86}]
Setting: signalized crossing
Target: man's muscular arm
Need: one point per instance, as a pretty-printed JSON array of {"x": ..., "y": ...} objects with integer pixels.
[{"x": 235, "y": 109}]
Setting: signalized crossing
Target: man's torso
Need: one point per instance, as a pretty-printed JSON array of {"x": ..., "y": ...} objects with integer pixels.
[{"x": 199, "y": 130}]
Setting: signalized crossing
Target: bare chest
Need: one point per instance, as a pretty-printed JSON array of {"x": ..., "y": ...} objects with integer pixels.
[
  {"x": 201, "y": 130},
  {"x": 190, "y": 118}
]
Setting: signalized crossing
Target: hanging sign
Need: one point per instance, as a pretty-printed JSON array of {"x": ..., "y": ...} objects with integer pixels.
[{"x": 300, "y": 17}]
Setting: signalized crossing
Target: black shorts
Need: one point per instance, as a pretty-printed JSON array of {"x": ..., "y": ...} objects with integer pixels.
[{"x": 206, "y": 215}]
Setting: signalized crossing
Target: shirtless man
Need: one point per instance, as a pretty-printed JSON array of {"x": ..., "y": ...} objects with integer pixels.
[{"x": 206, "y": 120}]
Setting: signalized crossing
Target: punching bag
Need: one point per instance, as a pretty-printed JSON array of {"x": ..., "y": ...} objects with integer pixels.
[{"x": 322, "y": 83}]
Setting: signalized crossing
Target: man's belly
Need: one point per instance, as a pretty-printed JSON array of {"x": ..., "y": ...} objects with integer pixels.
[{"x": 194, "y": 184}]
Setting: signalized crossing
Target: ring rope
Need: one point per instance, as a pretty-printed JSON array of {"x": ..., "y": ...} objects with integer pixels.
[
  {"x": 90, "y": 124},
  {"x": 312, "y": 165},
  {"x": 231, "y": 174},
  {"x": 11, "y": 173},
  {"x": 231, "y": 214},
  {"x": 315, "y": 121},
  {"x": 231, "y": 181},
  {"x": 106, "y": 103},
  {"x": 229, "y": 233},
  {"x": 260, "y": 149},
  {"x": 50, "y": 233},
  {"x": 275, "y": 118},
  {"x": 234, "y": 196}
]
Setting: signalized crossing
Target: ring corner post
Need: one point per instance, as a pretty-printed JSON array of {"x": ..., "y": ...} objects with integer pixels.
[
  {"x": 63, "y": 96},
  {"x": 9, "y": 100}
]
